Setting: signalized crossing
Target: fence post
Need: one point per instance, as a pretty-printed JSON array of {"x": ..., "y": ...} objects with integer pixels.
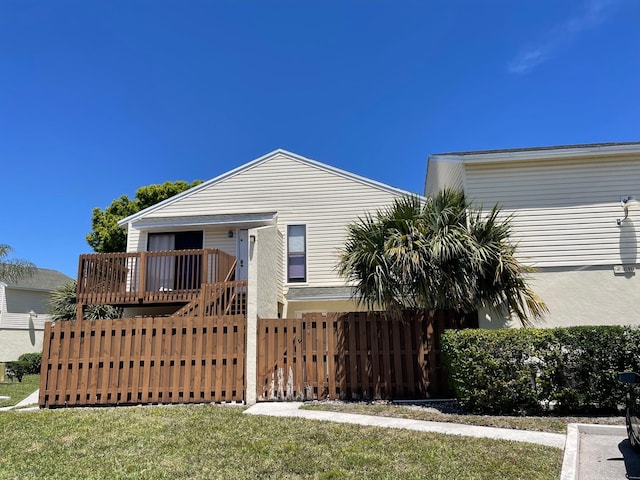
[
  {"x": 204, "y": 271},
  {"x": 142, "y": 277},
  {"x": 251, "y": 365}
]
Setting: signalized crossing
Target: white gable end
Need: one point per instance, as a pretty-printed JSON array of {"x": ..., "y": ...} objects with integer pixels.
[{"x": 298, "y": 191}]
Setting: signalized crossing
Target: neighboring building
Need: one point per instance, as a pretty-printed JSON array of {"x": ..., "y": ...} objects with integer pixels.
[
  {"x": 282, "y": 218},
  {"x": 24, "y": 307},
  {"x": 576, "y": 217}
]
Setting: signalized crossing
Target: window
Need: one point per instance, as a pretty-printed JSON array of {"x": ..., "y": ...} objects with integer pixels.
[{"x": 296, "y": 253}]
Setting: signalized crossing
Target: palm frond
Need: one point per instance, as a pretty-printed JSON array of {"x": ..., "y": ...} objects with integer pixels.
[{"x": 438, "y": 254}]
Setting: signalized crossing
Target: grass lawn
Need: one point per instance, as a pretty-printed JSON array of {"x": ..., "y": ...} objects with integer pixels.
[
  {"x": 18, "y": 390},
  {"x": 204, "y": 442},
  {"x": 549, "y": 423}
]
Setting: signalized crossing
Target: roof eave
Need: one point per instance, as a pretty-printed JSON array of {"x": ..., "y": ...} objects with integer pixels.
[{"x": 538, "y": 154}]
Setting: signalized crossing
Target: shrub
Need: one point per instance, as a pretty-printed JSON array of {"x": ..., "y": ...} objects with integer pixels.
[
  {"x": 17, "y": 370},
  {"x": 35, "y": 359},
  {"x": 527, "y": 370}
]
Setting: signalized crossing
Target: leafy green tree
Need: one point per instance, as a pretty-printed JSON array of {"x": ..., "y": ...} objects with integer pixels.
[
  {"x": 11, "y": 269},
  {"x": 439, "y": 254},
  {"x": 62, "y": 305},
  {"x": 106, "y": 236}
]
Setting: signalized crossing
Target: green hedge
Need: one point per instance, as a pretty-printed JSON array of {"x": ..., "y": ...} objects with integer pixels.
[
  {"x": 516, "y": 371},
  {"x": 27, "y": 364},
  {"x": 34, "y": 359}
]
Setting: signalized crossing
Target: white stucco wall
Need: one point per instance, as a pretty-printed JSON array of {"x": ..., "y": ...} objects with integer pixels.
[
  {"x": 589, "y": 296},
  {"x": 266, "y": 256},
  {"x": 15, "y": 342}
]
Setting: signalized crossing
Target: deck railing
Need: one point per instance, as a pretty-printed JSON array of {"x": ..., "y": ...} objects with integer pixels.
[
  {"x": 150, "y": 277},
  {"x": 218, "y": 299}
]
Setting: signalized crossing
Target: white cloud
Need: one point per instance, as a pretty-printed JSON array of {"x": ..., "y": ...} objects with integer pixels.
[{"x": 560, "y": 36}]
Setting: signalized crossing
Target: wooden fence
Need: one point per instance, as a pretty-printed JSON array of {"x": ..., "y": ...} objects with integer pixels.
[
  {"x": 143, "y": 360},
  {"x": 202, "y": 359},
  {"x": 354, "y": 356}
]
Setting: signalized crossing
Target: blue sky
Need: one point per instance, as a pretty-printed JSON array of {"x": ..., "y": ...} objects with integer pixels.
[{"x": 98, "y": 98}]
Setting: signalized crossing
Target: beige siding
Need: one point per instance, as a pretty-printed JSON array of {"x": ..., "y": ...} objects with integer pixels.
[
  {"x": 219, "y": 238},
  {"x": 301, "y": 193},
  {"x": 564, "y": 211},
  {"x": 14, "y": 343},
  {"x": 15, "y": 305},
  {"x": 3, "y": 300},
  {"x": 24, "y": 301},
  {"x": 444, "y": 173},
  {"x": 136, "y": 240},
  {"x": 23, "y": 322}
]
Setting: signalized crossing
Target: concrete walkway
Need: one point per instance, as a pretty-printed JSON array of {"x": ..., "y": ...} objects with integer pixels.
[
  {"x": 292, "y": 409},
  {"x": 30, "y": 401}
]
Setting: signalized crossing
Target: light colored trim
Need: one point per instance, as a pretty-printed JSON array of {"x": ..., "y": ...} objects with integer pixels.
[
  {"x": 254, "y": 163},
  {"x": 237, "y": 220},
  {"x": 306, "y": 254},
  {"x": 541, "y": 154},
  {"x": 29, "y": 289},
  {"x": 319, "y": 298},
  {"x": 464, "y": 180}
]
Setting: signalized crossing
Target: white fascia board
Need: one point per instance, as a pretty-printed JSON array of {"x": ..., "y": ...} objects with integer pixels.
[
  {"x": 321, "y": 298},
  {"x": 191, "y": 191},
  {"x": 544, "y": 154},
  {"x": 352, "y": 176},
  {"x": 237, "y": 220},
  {"x": 444, "y": 158},
  {"x": 28, "y": 289}
]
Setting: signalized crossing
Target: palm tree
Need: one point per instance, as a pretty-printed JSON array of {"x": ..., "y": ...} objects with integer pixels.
[
  {"x": 13, "y": 269},
  {"x": 437, "y": 254},
  {"x": 62, "y": 305}
]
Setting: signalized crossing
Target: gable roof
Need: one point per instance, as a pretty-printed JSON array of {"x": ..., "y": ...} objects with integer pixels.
[
  {"x": 254, "y": 163},
  {"x": 41, "y": 279}
]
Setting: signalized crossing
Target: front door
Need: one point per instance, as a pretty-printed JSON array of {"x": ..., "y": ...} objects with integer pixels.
[{"x": 242, "y": 255}]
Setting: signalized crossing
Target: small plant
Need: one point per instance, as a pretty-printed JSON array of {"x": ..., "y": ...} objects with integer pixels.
[{"x": 17, "y": 370}]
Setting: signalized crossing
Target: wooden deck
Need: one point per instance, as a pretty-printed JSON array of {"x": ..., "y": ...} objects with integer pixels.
[{"x": 148, "y": 278}]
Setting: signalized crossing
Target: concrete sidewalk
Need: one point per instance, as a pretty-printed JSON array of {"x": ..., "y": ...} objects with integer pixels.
[
  {"x": 30, "y": 401},
  {"x": 292, "y": 409}
]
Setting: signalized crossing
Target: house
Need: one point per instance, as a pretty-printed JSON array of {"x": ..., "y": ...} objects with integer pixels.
[
  {"x": 576, "y": 218},
  {"x": 24, "y": 307},
  {"x": 259, "y": 242},
  {"x": 276, "y": 223}
]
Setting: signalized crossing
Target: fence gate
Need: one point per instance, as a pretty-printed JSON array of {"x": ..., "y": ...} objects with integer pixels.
[
  {"x": 354, "y": 356},
  {"x": 144, "y": 360}
]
